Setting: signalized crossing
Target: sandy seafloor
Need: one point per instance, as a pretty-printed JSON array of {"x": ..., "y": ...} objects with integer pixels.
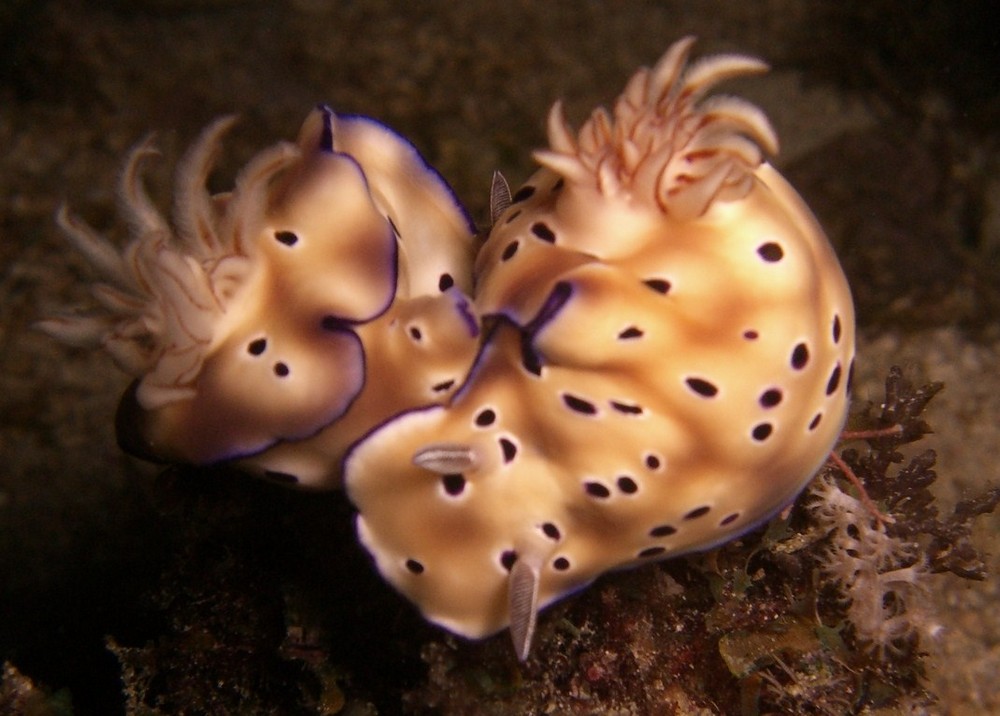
[{"x": 888, "y": 127}]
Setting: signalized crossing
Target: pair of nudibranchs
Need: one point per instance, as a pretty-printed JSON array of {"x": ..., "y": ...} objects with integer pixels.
[{"x": 647, "y": 354}]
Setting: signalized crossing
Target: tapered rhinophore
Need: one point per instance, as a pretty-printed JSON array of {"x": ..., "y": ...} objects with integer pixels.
[{"x": 523, "y": 597}]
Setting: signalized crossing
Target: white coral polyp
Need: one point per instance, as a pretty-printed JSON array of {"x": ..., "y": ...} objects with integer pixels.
[{"x": 879, "y": 577}]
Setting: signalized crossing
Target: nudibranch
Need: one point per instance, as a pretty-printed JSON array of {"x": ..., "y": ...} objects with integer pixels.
[
  {"x": 671, "y": 340},
  {"x": 281, "y": 312}
]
